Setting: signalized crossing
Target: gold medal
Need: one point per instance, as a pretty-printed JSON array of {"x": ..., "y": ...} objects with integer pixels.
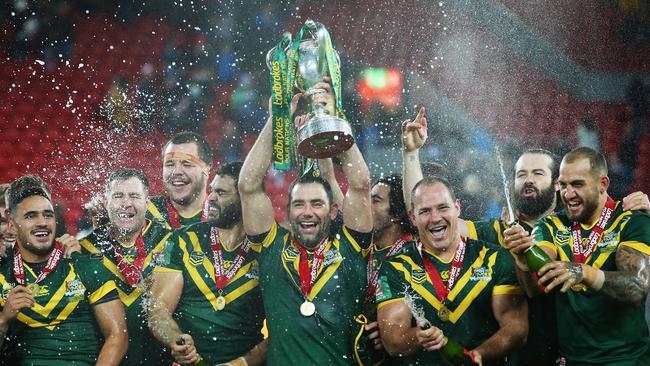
[
  {"x": 579, "y": 287},
  {"x": 443, "y": 313},
  {"x": 33, "y": 288},
  {"x": 307, "y": 308},
  {"x": 221, "y": 302}
]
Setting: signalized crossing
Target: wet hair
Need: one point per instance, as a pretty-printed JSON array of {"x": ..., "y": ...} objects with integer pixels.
[
  {"x": 434, "y": 169},
  {"x": 127, "y": 173},
  {"x": 203, "y": 147},
  {"x": 309, "y": 178},
  {"x": 23, "y": 187},
  {"x": 597, "y": 163},
  {"x": 429, "y": 181},
  {"x": 555, "y": 160},
  {"x": 396, "y": 206},
  {"x": 231, "y": 169}
]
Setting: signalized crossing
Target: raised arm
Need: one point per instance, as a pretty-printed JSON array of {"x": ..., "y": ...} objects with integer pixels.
[
  {"x": 112, "y": 324},
  {"x": 327, "y": 170},
  {"x": 414, "y": 135},
  {"x": 357, "y": 212},
  {"x": 511, "y": 312}
]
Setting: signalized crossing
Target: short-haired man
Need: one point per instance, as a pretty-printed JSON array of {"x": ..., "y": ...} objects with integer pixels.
[
  {"x": 187, "y": 158},
  {"x": 600, "y": 258},
  {"x": 313, "y": 282},
  {"x": 458, "y": 282},
  {"x": 127, "y": 247},
  {"x": 51, "y": 305},
  {"x": 206, "y": 291}
]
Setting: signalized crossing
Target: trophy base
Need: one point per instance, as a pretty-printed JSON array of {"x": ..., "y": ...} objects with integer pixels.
[{"x": 324, "y": 137}]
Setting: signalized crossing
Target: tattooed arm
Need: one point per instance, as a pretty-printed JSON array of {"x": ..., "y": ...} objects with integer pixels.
[{"x": 629, "y": 284}]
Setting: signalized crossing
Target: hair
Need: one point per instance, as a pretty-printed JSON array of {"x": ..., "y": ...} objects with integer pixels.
[
  {"x": 429, "y": 181},
  {"x": 434, "y": 169},
  {"x": 127, "y": 173},
  {"x": 555, "y": 160},
  {"x": 309, "y": 178},
  {"x": 203, "y": 147},
  {"x": 23, "y": 187},
  {"x": 597, "y": 163},
  {"x": 396, "y": 206},
  {"x": 231, "y": 169},
  {"x": 4, "y": 187}
]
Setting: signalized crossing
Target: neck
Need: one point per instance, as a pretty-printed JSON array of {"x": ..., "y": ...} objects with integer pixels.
[
  {"x": 231, "y": 237},
  {"x": 444, "y": 254},
  {"x": 33, "y": 257},
  {"x": 192, "y": 207},
  {"x": 125, "y": 239},
  {"x": 388, "y": 236},
  {"x": 602, "y": 200}
]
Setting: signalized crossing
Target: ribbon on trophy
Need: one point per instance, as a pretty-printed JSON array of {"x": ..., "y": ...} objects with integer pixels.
[{"x": 281, "y": 98}]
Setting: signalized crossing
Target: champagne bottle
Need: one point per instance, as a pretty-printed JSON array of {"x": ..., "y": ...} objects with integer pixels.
[
  {"x": 536, "y": 258},
  {"x": 201, "y": 362},
  {"x": 455, "y": 354}
]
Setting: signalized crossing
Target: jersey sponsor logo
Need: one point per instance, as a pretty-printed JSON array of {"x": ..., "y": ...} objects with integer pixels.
[
  {"x": 196, "y": 258},
  {"x": 43, "y": 291},
  {"x": 609, "y": 243},
  {"x": 332, "y": 256},
  {"x": 418, "y": 275},
  {"x": 383, "y": 289},
  {"x": 253, "y": 271},
  {"x": 6, "y": 289},
  {"x": 481, "y": 274},
  {"x": 75, "y": 289}
]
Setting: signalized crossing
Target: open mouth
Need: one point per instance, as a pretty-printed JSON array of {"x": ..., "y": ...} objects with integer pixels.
[
  {"x": 438, "y": 232},
  {"x": 42, "y": 235},
  {"x": 308, "y": 227},
  {"x": 574, "y": 206},
  {"x": 529, "y": 192}
]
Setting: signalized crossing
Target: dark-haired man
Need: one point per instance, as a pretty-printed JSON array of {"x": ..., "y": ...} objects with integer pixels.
[
  {"x": 187, "y": 158},
  {"x": 127, "y": 248},
  {"x": 51, "y": 305},
  {"x": 601, "y": 256},
  {"x": 205, "y": 291},
  {"x": 313, "y": 283}
]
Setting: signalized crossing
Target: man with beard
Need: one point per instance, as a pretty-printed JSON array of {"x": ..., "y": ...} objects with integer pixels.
[
  {"x": 127, "y": 247},
  {"x": 187, "y": 158},
  {"x": 600, "y": 258},
  {"x": 313, "y": 282},
  {"x": 208, "y": 280},
  {"x": 52, "y": 306}
]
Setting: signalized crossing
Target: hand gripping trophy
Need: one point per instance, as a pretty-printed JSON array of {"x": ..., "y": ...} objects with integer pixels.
[{"x": 303, "y": 63}]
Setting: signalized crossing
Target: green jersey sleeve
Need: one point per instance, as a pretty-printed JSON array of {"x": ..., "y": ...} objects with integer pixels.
[
  {"x": 170, "y": 258},
  {"x": 506, "y": 280},
  {"x": 390, "y": 285},
  {"x": 488, "y": 231},
  {"x": 95, "y": 281},
  {"x": 636, "y": 234},
  {"x": 543, "y": 234}
]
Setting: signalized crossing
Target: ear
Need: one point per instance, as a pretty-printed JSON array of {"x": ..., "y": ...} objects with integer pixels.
[
  {"x": 556, "y": 184},
  {"x": 604, "y": 184},
  {"x": 457, "y": 204},
  {"x": 334, "y": 210},
  {"x": 412, "y": 218}
]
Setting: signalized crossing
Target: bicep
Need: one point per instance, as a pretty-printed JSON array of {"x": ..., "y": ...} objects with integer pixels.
[
  {"x": 257, "y": 213},
  {"x": 393, "y": 317},
  {"x": 510, "y": 308},
  {"x": 166, "y": 289},
  {"x": 357, "y": 213},
  {"x": 110, "y": 317},
  {"x": 633, "y": 261}
]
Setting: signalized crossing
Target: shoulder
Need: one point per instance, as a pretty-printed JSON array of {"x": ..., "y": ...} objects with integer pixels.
[{"x": 158, "y": 201}]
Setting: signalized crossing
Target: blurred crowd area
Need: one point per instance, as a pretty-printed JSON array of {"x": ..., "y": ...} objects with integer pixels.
[{"x": 205, "y": 71}]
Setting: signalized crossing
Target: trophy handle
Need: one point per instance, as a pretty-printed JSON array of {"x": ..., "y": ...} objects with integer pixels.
[{"x": 321, "y": 36}]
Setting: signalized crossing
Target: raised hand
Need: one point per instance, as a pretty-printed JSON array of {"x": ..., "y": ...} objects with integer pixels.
[{"x": 414, "y": 133}]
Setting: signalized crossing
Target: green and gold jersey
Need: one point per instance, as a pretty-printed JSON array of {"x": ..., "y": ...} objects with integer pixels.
[
  {"x": 593, "y": 328},
  {"x": 157, "y": 211},
  {"x": 219, "y": 335},
  {"x": 144, "y": 349},
  {"x": 326, "y": 337},
  {"x": 60, "y": 328},
  {"x": 487, "y": 271},
  {"x": 541, "y": 346}
]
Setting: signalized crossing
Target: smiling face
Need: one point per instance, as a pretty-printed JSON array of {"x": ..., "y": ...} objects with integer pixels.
[
  {"x": 183, "y": 180},
  {"x": 581, "y": 190},
  {"x": 381, "y": 208},
  {"x": 35, "y": 227},
  {"x": 435, "y": 214},
  {"x": 224, "y": 206},
  {"x": 126, "y": 203},
  {"x": 310, "y": 213},
  {"x": 534, "y": 186}
]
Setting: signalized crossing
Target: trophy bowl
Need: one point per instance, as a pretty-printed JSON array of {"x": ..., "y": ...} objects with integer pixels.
[{"x": 324, "y": 136}]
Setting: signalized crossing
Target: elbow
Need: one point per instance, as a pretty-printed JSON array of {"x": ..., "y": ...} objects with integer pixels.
[
  {"x": 393, "y": 349},
  {"x": 246, "y": 185}
]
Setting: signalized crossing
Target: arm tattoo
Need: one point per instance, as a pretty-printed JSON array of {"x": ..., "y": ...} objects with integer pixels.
[{"x": 631, "y": 282}]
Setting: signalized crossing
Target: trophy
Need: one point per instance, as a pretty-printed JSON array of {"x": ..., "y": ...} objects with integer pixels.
[{"x": 302, "y": 64}]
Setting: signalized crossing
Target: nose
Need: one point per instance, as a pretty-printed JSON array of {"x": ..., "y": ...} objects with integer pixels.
[{"x": 568, "y": 192}]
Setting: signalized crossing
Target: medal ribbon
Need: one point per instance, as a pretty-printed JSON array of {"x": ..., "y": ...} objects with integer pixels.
[
  {"x": 281, "y": 95},
  {"x": 221, "y": 276},
  {"x": 132, "y": 271},
  {"x": 308, "y": 273},
  {"x": 454, "y": 272},
  {"x": 52, "y": 262},
  {"x": 580, "y": 255},
  {"x": 174, "y": 216},
  {"x": 373, "y": 273}
]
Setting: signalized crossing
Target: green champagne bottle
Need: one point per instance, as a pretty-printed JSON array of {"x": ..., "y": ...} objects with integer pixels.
[
  {"x": 201, "y": 362},
  {"x": 536, "y": 258},
  {"x": 455, "y": 354}
]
